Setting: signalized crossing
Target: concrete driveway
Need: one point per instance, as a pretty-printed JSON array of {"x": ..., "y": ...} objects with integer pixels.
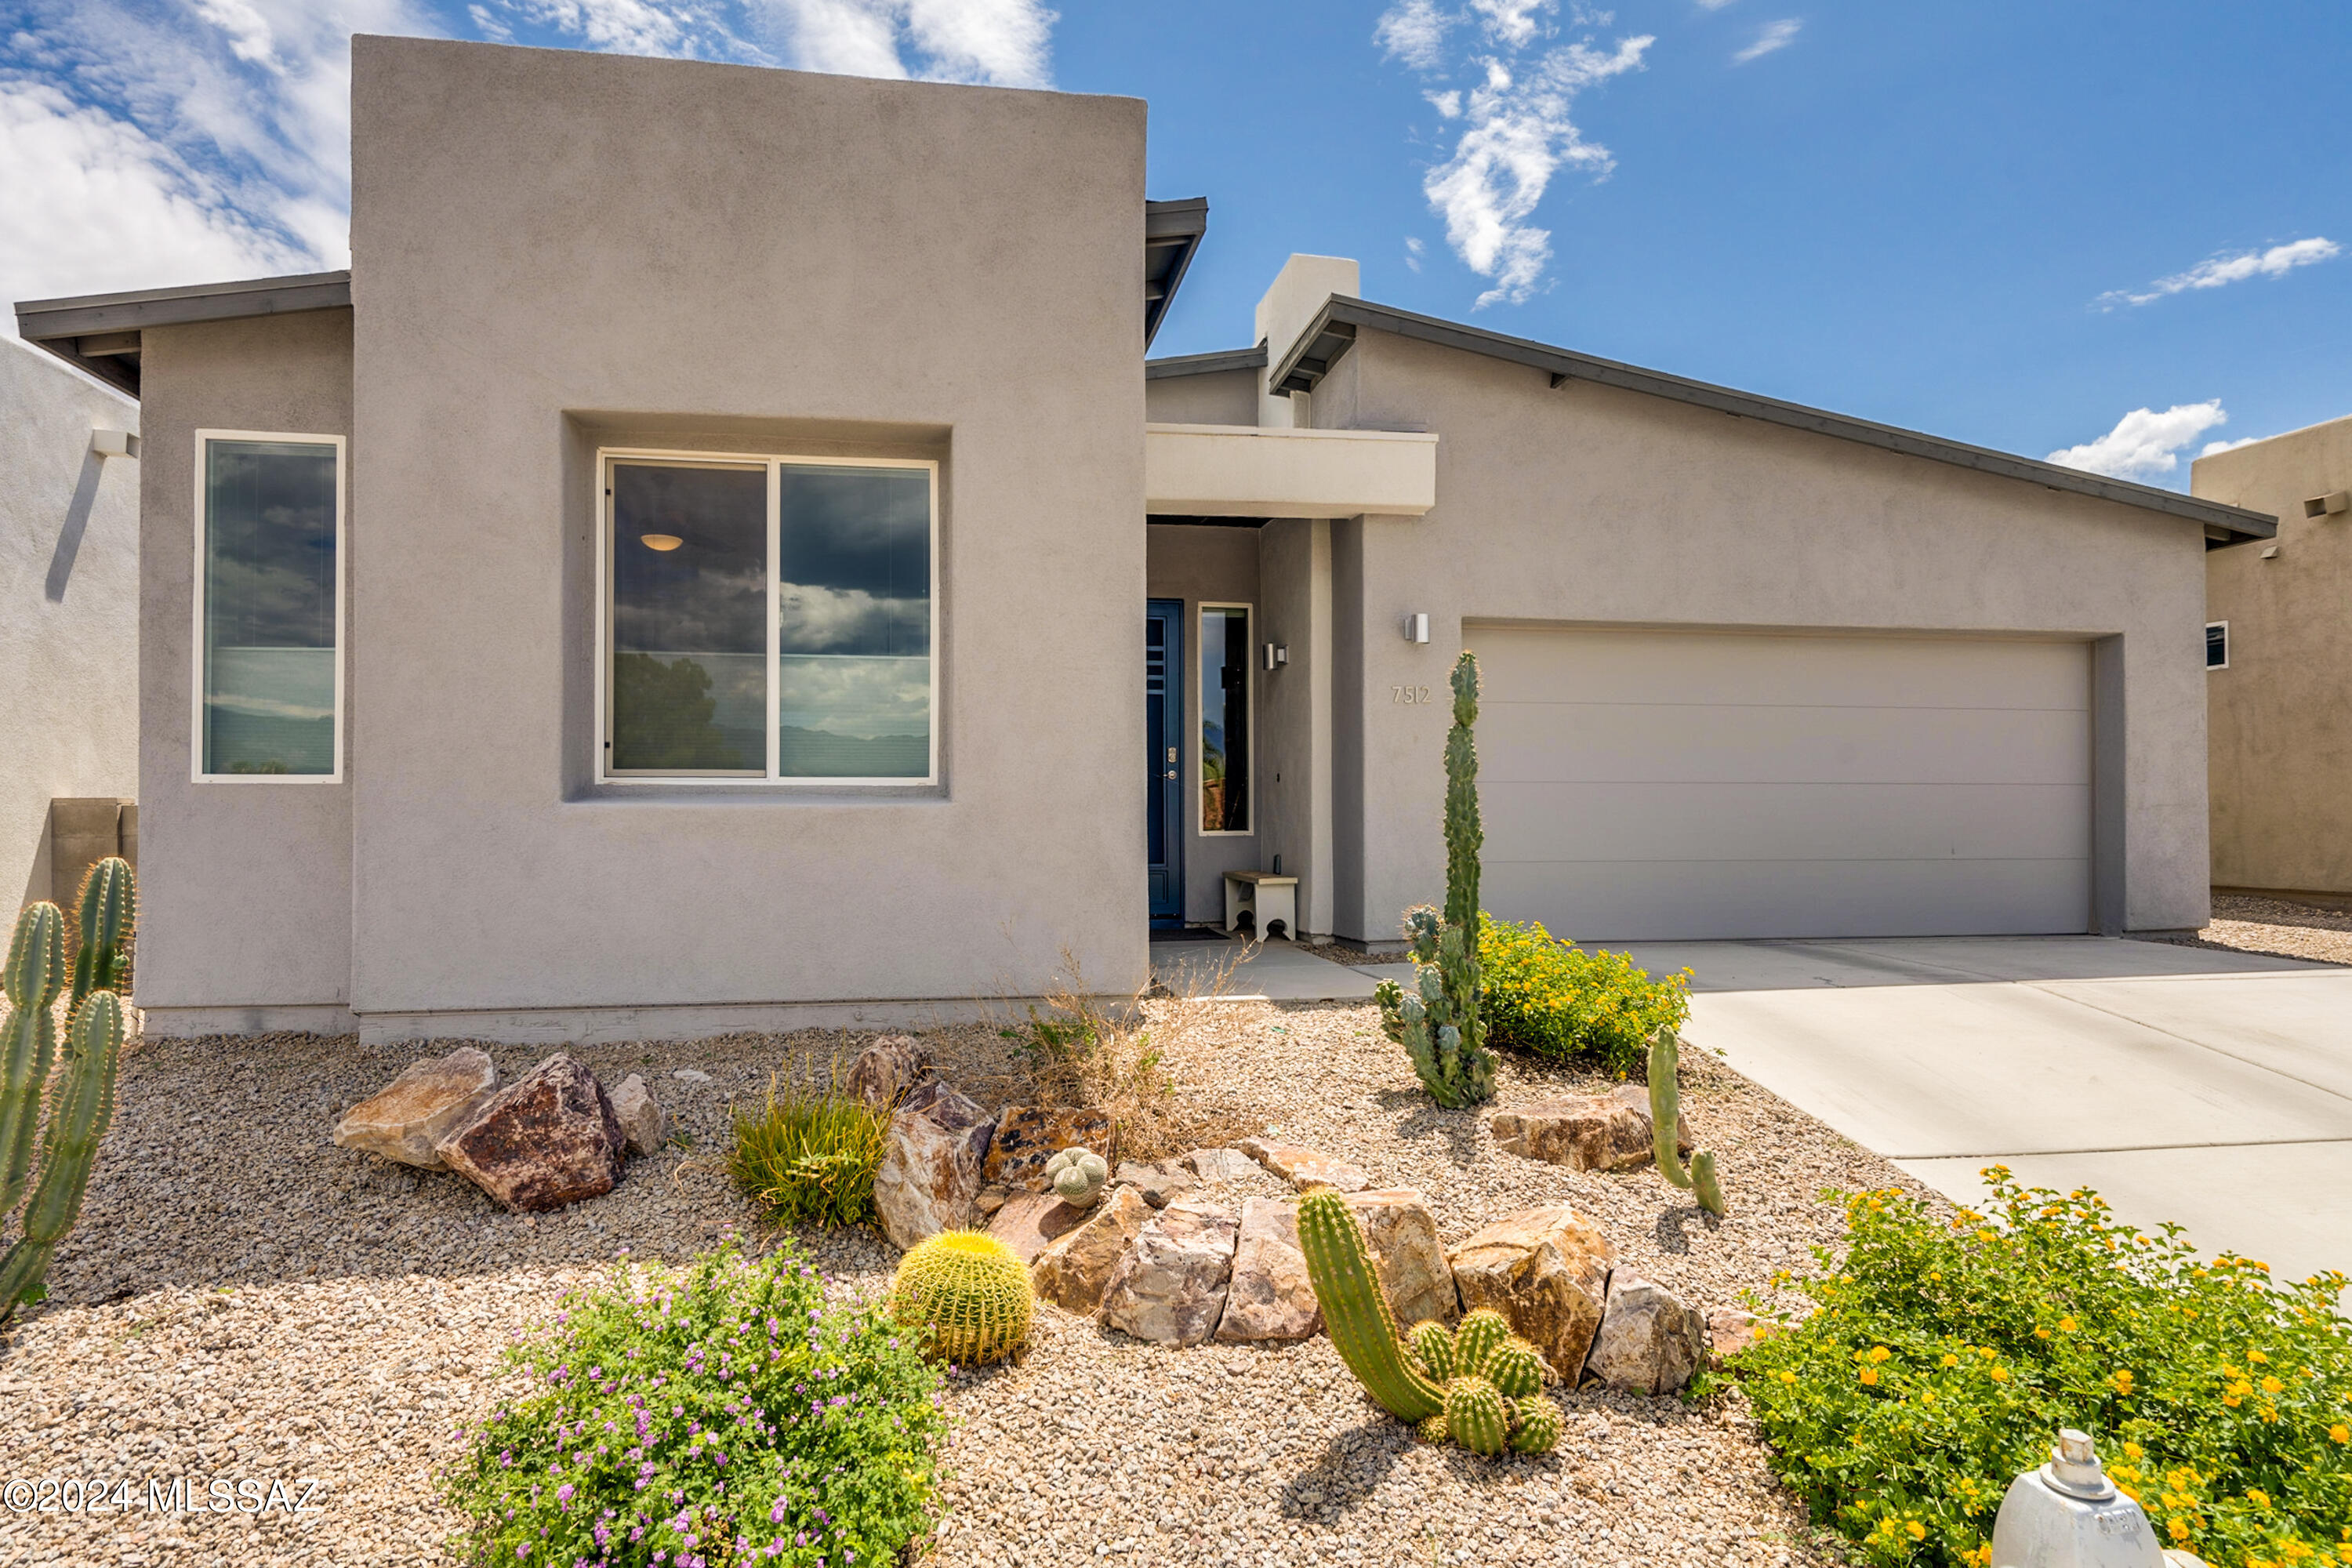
[{"x": 2209, "y": 1088}]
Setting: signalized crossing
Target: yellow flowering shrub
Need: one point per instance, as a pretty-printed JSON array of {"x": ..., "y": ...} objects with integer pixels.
[
  {"x": 1943, "y": 1355},
  {"x": 1546, "y": 998}
]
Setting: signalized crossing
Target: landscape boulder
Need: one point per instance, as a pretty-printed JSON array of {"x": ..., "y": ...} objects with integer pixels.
[
  {"x": 1161, "y": 1183},
  {"x": 1029, "y": 1223},
  {"x": 1029, "y": 1135},
  {"x": 1075, "y": 1268},
  {"x": 1546, "y": 1271},
  {"x": 1305, "y": 1169},
  {"x": 1170, "y": 1286},
  {"x": 931, "y": 1160},
  {"x": 643, "y": 1124},
  {"x": 1406, "y": 1255},
  {"x": 1730, "y": 1330},
  {"x": 546, "y": 1140},
  {"x": 1635, "y": 1097},
  {"x": 1214, "y": 1165},
  {"x": 887, "y": 1070},
  {"x": 1269, "y": 1297},
  {"x": 406, "y": 1119},
  {"x": 1649, "y": 1341},
  {"x": 1584, "y": 1133}
]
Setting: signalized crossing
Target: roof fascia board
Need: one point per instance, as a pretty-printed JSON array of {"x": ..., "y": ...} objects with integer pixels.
[
  {"x": 95, "y": 313},
  {"x": 1177, "y": 224},
  {"x": 1205, "y": 365},
  {"x": 2226, "y": 524}
]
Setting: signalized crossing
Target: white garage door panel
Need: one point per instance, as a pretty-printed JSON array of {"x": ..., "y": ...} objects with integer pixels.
[
  {"x": 1784, "y": 822},
  {"x": 1646, "y": 786},
  {"x": 1787, "y": 743},
  {"x": 1694, "y": 901}
]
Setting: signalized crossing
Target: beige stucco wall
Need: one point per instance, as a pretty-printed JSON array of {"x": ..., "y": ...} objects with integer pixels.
[
  {"x": 2281, "y": 715},
  {"x": 68, "y": 608},
  {"x": 245, "y": 888},
  {"x": 546, "y": 241},
  {"x": 1217, "y": 397},
  {"x": 1207, "y": 563},
  {"x": 1591, "y": 505}
]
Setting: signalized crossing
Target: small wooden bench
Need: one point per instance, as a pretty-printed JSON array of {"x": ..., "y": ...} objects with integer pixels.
[{"x": 1272, "y": 902}]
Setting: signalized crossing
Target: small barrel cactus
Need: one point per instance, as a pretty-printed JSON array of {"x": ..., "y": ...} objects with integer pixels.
[
  {"x": 1475, "y": 1415},
  {"x": 1483, "y": 1354},
  {"x": 967, "y": 1293},
  {"x": 1534, "y": 1425},
  {"x": 1077, "y": 1176},
  {"x": 1434, "y": 1346},
  {"x": 1481, "y": 1333}
]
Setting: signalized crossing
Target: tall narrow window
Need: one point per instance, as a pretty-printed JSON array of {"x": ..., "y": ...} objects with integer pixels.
[
  {"x": 768, "y": 619},
  {"x": 2217, "y": 645},
  {"x": 268, "y": 677},
  {"x": 1224, "y": 719}
]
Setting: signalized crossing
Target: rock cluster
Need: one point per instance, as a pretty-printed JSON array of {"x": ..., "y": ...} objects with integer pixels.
[
  {"x": 550, "y": 1138},
  {"x": 1609, "y": 1131}
]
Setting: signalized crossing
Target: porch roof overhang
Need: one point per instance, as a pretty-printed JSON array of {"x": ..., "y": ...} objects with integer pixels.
[
  {"x": 1333, "y": 332},
  {"x": 1243, "y": 471}
]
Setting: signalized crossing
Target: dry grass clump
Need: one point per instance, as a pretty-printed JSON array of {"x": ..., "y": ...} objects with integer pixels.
[{"x": 1084, "y": 1053}]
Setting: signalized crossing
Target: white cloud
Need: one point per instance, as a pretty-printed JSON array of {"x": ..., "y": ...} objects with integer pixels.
[
  {"x": 1517, "y": 130},
  {"x": 2145, "y": 445},
  {"x": 2215, "y": 271},
  {"x": 2212, "y": 446},
  {"x": 1004, "y": 43},
  {"x": 1713, "y": 5},
  {"x": 1413, "y": 252},
  {"x": 1777, "y": 35}
]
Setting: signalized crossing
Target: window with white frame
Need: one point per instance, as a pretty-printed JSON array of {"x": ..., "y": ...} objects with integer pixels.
[
  {"x": 1226, "y": 733},
  {"x": 767, "y": 619},
  {"x": 2217, "y": 645},
  {"x": 268, "y": 608}
]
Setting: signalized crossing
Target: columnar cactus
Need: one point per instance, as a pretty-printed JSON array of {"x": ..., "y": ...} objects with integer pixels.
[
  {"x": 967, "y": 1293},
  {"x": 77, "y": 1120},
  {"x": 109, "y": 911},
  {"x": 1476, "y": 1386},
  {"x": 1077, "y": 1176},
  {"x": 35, "y": 973},
  {"x": 1438, "y": 1021},
  {"x": 1666, "y": 1126}
]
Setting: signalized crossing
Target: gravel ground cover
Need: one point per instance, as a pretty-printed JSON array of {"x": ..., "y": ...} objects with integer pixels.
[
  {"x": 2271, "y": 926},
  {"x": 245, "y": 1300}
]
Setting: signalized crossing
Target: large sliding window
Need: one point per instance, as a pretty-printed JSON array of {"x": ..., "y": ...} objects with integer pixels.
[
  {"x": 768, "y": 619},
  {"x": 268, "y": 608},
  {"x": 1225, "y": 719}
]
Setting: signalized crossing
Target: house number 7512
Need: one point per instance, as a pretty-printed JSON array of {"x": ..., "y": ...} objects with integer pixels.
[{"x": 1408, "y": 694}]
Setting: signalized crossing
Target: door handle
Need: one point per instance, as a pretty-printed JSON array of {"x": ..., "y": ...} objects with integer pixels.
[{"x": 1171, "y": 773}]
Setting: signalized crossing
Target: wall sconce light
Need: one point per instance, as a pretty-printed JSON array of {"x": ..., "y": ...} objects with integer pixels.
[
  {"x": 1276, "y": 655},
  {"x": 660, "y": 540},
  {"x": 1416, "y": 626},
  {"x": 2335, "y": 500},
  {"x": 2270, "y": 553},
  {"x": 114, "y": 443}
]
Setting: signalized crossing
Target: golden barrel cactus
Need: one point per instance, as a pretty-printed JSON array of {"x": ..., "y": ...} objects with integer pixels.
[{"x": 967, "y": 1293}]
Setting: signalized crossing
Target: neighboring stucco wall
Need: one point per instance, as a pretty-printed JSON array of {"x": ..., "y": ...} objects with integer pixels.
[
  {"x": 1217, "y": 397},
  {"x": 1205, "y": 563},
  {"x": 245, "y": 889},
  {"x": 68, "y": 608},
  {"x": 2281, "y": 715},
  {"x": 1588, "y": 504},
  {"x": 552, "y": 236}
]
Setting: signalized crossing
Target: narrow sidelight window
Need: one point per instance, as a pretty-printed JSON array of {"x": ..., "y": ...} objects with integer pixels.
[
  {"x": 768, "y": 619},
  {"x": 269, "y": 669},
  {"x": 2217, "y": 645},
  {"x": 1225, "y": 719}
]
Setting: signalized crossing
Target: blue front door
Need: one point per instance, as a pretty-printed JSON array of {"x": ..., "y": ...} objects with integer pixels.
[{"x": 1163, "y": 729}]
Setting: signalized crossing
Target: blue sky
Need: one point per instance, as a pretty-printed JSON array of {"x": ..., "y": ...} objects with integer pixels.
[{"x": 2118, "y": 230}]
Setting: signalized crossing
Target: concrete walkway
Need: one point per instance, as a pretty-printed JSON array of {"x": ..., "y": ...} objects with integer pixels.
[
  {"x": 1269, "y": 972},
  {"x": 2212, "y": 1089}
]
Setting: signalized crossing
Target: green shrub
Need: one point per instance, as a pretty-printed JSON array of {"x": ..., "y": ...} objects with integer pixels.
[
  {"x": 717, "y": 1412},
  {"x": 1941, "y": 1360},
  {"x": 1546, "y": 998},
  {"x": 810, "y": 1155}
]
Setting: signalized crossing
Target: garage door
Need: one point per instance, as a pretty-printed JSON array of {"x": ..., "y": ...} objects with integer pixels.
[{"x": 1643, "y": 784}]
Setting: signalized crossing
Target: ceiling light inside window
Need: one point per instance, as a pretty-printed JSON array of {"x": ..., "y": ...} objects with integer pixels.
[{"x": 660, "y": 540}]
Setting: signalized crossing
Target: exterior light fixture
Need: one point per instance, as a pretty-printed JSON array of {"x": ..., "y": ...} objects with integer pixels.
[
  {"x": 660, "y": 540},
  {"x": 1416, "y": 626},
  {"x": 2334, "y": 501},
  {"x": 1276, "y": 655},
  {"x": 114, "y": 443},
  {"x": 2271, "y": 552}
]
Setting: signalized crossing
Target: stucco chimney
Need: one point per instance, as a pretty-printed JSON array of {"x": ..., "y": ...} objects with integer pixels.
[{"x": 1289, "y": 303}]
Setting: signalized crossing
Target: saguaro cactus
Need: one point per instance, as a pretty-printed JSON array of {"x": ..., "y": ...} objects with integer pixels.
[
  {"x": 77, "y": 1122},
  {"x": 1666, "y": 1126},
  {"x": 1438, "y": 1021}
]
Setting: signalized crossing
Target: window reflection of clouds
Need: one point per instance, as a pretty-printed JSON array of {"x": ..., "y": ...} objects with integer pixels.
[
  {"x": 856, "y": 573},
  {"x": 705, "y": 596},
  {"x": 269, "y": 607}
]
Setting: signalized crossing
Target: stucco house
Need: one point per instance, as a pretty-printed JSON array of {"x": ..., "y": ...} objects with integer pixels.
[
  {"x": 69, "y": 627},
  {"x": 2279, "y": 667},
  {"x": 722, "y": 558}
]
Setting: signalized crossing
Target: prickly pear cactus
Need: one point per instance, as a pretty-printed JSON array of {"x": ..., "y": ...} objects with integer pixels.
[
  {"x": 1077, "y": 1176},
  {"x": 967, "y": 1293},
  {"x": 1438, "y": 1021}
]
